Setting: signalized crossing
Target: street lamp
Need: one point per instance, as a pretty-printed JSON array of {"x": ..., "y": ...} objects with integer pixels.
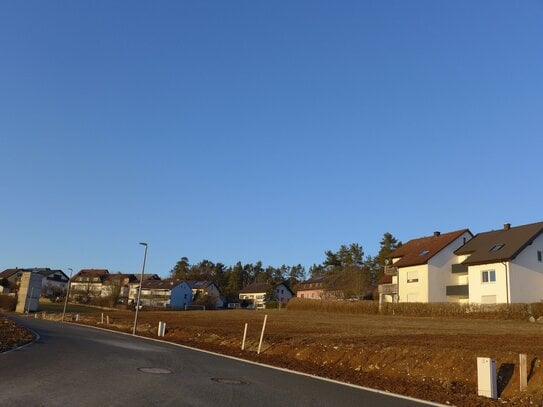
[
  {"x": 139, "y": 290},
  {"x": 67, "y": 294}
]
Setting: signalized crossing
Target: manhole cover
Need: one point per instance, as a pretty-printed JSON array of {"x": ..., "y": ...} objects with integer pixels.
[
  {"x": 227, "y": 381},
  {"x": 154, "y": 370}
]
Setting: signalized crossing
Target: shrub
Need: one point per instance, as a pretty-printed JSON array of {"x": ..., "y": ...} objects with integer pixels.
[
  {"x": 8, "y": 303},
  {"x": 271, "y": 304},
  {"x": 497, "y": 311}
]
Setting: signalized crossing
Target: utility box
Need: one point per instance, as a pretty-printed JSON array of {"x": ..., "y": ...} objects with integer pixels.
[
  {"x": 487, "y": 385},
  {"x": 29, "y": 293}
]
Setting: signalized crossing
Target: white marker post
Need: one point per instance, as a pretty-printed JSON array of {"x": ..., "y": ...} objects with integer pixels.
[
  {"x": 523, "y": 371},
  {"x": 262, "y": 333},
  {"x": 161, "y": 328},
  {"x": 102, "y": 319},
  {"x": 244, "y": 336},
  {"x": 107, "y": 319}
]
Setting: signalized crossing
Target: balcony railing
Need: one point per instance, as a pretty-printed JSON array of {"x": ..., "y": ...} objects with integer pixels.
[
  {"x": 391, "y": 270},
  {"x": 459, "y": 268},
  {"x": 458, "y": 290},
  {"x": 388, "y": 288}
]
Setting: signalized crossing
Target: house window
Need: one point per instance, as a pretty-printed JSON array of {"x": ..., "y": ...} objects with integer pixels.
[
  {"x": 488, "y": 276},
  {"x": 424, "y": 252},
  {"x": 496, "y": 247},
  {"x": 282, "y": 291},
  {"x": 539, "y": 256},
  {"x": 301, "y": 296},
  {"x": 413, "y": 276},
  {"x": 278, "y": 291}
]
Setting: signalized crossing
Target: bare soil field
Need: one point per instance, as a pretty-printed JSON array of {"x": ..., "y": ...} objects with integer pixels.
[
  {"x": 12, "y": 335},
  {"x": 428, "y": 358}
]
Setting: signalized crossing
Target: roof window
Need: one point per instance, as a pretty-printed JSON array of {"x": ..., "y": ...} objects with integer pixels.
[
  {"x": 424, "y": 252},
  {"x": 496, "y": 247}
]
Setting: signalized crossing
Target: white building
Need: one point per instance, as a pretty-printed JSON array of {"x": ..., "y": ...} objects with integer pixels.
[
  {"x": 204, "y": 288},
  {"x": 502, "y": 266},
  {"x": 175, "y": 294},
  {"x": 420, "y": 270},
  {"x": 256, "y": 294}
]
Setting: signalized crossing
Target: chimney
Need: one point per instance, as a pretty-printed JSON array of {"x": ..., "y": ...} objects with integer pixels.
[
  {"x": 437, "y": 233},
  {"x": 506, "y": 226}
]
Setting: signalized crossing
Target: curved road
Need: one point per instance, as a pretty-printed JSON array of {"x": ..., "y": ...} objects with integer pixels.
[{"x": 73, "y": 365}]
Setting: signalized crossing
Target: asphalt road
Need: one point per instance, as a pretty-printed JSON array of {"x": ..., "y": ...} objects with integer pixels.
[{"x": 72, "y": 365}]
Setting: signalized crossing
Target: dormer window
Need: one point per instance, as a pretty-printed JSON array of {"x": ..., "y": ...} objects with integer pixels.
[
  {"x": 496, "y": 247},
  {"x": 424, "y": 252}
]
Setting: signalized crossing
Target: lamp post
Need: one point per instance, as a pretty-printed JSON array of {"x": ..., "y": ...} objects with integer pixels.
[
  {"x": 139, "y": 289},
  {"x": 67, "y": 295}
]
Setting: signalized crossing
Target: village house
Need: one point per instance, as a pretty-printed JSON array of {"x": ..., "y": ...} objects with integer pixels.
[
  {"x": 420, "y": 270},
  {"x": 87, "y": 284},
  {"x": 205, "y": 288},
  {"x": 54, "y": 282},
  {"x": 175, "y": 294},
  {"x": 501, "y": 266},
  {"x": 118, "y": 285},
  {"x": 315, "y": 289},
  {"x": 256, "y": 294}
]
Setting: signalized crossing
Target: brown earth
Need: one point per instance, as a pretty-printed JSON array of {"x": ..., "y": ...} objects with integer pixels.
[
  {"x": 13, "y": 335},
  {"x": 428, "y": 358}
]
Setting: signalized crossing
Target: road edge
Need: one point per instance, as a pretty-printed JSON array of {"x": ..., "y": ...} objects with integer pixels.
[
  {"x": 32, "y": 342},
  {"x": 282, "y": 369}
]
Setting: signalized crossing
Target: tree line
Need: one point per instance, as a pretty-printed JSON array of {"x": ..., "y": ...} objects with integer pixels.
[{"x": 347, "y": 270}]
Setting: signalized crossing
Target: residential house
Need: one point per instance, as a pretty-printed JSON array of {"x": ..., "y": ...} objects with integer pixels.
[
  {"x": 315, "y": 289},
  {"x": 4, "y": 286},
  {"x": 420, "y": 270},
  {"x": 256, "y": 294},
  {"x": 283, "y": 293},
  {"x": 167, "y": 293},
  {"x": 88, "y": 284},
  {"x": 118, "y": 285},
  {"x": 54, "y": 282},
  {"x": 206, "y": 288},
  {"x": 134, "y": 286},
  {"x": 11, "y": 278},
  {"x": 501, "y": 266}
]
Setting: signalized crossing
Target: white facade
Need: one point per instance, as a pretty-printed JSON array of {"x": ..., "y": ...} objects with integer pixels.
[
  {"x": 258, "y": 299},
  {"x": 428, "y": 282},
  {"x": 177, "y": 296},
  {"x": 282, "y": 294},
  {"x": 517, "y": 281}
]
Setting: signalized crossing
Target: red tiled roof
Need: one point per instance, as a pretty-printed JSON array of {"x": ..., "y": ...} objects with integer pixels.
[{"x": 419, "y": 251}]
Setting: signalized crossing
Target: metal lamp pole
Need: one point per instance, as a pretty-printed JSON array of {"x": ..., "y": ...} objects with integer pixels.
[
  {"x": 139, "y": 289},
  {"x": 67, "y": 295}
]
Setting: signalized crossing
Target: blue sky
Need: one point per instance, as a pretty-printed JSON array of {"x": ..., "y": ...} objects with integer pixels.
[{"x": 252, "y": 130}]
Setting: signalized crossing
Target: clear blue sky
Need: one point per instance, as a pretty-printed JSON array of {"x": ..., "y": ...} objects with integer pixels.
[{"x": 259, "y": 130}]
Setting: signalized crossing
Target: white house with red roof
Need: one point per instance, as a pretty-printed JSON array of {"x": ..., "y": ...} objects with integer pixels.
[{"x": 420, "y": 270}]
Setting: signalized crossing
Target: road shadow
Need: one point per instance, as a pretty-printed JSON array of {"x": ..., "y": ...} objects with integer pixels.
[{"x": 505, "y": 373}]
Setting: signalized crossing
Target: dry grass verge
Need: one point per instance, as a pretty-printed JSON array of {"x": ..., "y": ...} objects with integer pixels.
[{"x": 441, "y": 310}]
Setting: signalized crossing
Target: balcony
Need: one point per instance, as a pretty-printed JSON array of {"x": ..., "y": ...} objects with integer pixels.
[
  {"x": 391, "y": 270},
  {"x": 388, "y": 288},
  {"x": 459, "y": 269},
  {"x": 458, "y": 290}
]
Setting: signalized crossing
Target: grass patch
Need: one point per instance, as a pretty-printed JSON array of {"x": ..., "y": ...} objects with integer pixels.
[{"x": 56, "y": 307}]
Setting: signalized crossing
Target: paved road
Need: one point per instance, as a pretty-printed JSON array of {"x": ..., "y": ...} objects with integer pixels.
[{"x": 74, "y": 365}]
